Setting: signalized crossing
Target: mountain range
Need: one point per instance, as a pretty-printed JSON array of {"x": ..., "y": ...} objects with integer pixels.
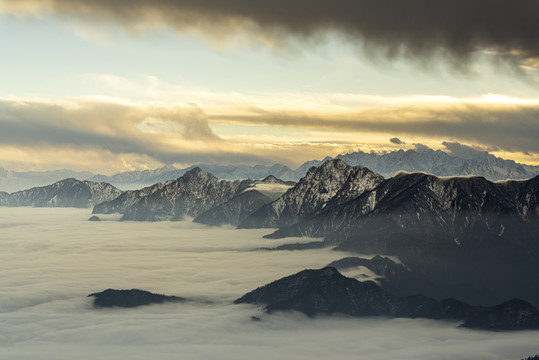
[
  {"x": 464, "y": 237},
  {"x": 458, "y": 160},
  {"x": 326, "y": 291},
  {"x": 65, "y": 193},
  {"x": 191, "y": 195},
  {"x": 333, "y": 182},
  {"x": 464, "y": 162},
  {"x": 475, "y": 239},
  {"x": 228, "y": 172},
  {"x": 11, "y": 181}
]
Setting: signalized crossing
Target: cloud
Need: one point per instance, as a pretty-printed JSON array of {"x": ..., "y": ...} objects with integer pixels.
[
  {"x": 110, "y": 135},
  {"x": 465, "y": 151},
  {"x": 168, "y": 133},
  {"x": 421, "y": 147},
  {"x": 510, "y": 126},
  {"x": 397, "y": 141},
  {"x": 458, "y": 31},
  {"x": 52, "y": 258}
]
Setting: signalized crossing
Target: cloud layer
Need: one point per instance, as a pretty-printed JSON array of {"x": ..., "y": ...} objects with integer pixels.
[
  {"x": 97, "y": 134},
  {"x": 173, "y": 133},
  {"x": 418, "y": 29},
  {"x": 511, "y": 127},
  {"x": 50, "y": 259}
]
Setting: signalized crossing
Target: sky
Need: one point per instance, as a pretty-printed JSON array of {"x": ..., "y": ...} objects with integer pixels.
[{"x": 110, "y": 86}]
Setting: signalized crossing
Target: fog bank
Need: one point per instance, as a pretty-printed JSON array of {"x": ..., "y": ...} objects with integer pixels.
[{"x": 51, "y": 259}]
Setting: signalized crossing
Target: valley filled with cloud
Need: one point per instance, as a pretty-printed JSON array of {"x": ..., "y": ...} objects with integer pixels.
[{"x": 51, "y": 259}]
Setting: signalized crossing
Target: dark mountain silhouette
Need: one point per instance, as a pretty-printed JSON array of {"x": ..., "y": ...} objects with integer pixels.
[
  {"x": 514, "y": 314},
  {"x": 326, "y": 291},
  {"x": 477, "y": 239},
  {"x": 130, "y": 298}
]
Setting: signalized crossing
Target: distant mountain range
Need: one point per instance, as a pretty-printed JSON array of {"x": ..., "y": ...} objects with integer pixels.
[
  {"x": 436, "y": 162},
  {"x": 461, "y": 161},
  {"x": 65, "y": 193},
  {"x": 11, "y": 181},
  {"x": 228, "y": 172}
]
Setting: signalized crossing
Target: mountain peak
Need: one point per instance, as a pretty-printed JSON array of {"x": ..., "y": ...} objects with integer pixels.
[
  {"x": 327, "y": 170},
  {"x": 335, "y": 179},
  {"x": 168, "y": 168},
  {"x": 196, "y": 174},
  {"x": 192, "y": 194},
  {"x": 334, "y": 164},
  {"x": 195, "y": 170},
  {"x": 270, "y": 179},
  {"x": 68, "y": 181}
]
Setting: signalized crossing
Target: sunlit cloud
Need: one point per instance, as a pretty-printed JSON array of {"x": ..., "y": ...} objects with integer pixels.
[
  {"x": 88, "y": 121},
  {"x": 492, "y": 121},
  {"x": 99, "y": 131}
]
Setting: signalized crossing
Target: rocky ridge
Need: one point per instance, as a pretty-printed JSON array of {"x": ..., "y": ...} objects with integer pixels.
[
  {"x": 333, "y": 182},
  {"x": 468, "y": 233},
  {"x": 514, "y": 314},
  {"x": 234, "y": 210},
  {"x": 65, "y": 193},
  {"x": 392, "y": 277},
  {"x": 227, "y": 172},
  {"x": 465, "y": 162},
  {"x": 326, "y": 291},
  {"x": 190, "y": 195}
]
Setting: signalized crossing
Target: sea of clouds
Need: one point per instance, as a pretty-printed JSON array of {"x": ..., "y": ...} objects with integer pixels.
[{"x": 51, "y": 259}]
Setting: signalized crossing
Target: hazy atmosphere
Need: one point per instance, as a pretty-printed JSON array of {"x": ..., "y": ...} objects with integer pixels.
[{"x": 51, "y": 259}]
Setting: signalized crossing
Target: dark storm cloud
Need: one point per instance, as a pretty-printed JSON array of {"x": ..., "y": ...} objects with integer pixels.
[
  {"x": 397, "y": 141},
  {"x": 420, "y": 29}
]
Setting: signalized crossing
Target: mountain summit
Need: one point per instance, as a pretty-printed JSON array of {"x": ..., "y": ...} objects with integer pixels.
[{"x": 334, "y": 180}]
